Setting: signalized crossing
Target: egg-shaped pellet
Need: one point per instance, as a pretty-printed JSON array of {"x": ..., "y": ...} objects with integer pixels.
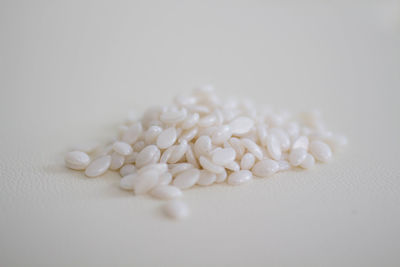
[
  {"x": 320, "y": 151},
  {"x": 297, "y": 156},
  {"x": 127, "y": 181},
  {"x": 167, "y": 138},
  {"x": 221, "y": 177},
  {"x": 165, "y": 179},
  {"x": 265, "y": 168},
  {"x": 178, "y": 152},
  {"x": 274, "y": 147},
  {"x": 151, "y": 134},
  {"x": 241, "y": 125},
  {"x": 149, "y": 154},
  {"x": 98, "y": 167},
  {"x": 308, "y": 162},
  {"x": 283, "y": 138},
  {"x": 207, "y": 121},
  {"x": 232, "y": 166},
  {"x": 210, "y": 166},
  {"x": 145, "y": 182},
  {"x": 180, "y": 167},
  {"x": 187, "y": 179},
  {"x": 239, "y": 177},
  {"x": 190, "y": 121},
  {"x": 247, "y": 161},
  {"x": 224, "y": 156},
  {"x": 202, "y": 146},
  {"x": 132, "y": 134},
  {"x": 166, "y": 192},
  {"x": 221, "y": 135},
  {"x": 176, "y": 209},
  {"x": 122, "y": 148},
  {"x": 206, "y": 178},
  {"x": 173, "y": 116},
  {"x": 253, "y": 148},
  {"x": 301, "y": 142},
  {"x": 77, "y": 160},
  {"x": 127, "y": 169},
  {"x": 117, "y": 160}
]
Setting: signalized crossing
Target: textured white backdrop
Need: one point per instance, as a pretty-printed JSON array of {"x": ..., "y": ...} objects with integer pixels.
[{"x": 70, "y": 71}]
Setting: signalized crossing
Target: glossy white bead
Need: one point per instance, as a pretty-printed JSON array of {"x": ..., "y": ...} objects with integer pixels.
[
  {"x": 207, "y": 121},
  {"x": 166, "y": 192},
  {"x": 167, "y": 138},
  {"x": 206, "y": 178},
  {"x": 77, "y": 160},
  {"x": 191, "y": 121},
  {"x": 238, "y": 146},
  {"x": 274, "y": 147},
  {"x": 301, "y": 142},
  {"x": 145, "y": 182},
  {"x": 210, "y": 166},
  {"x": 247, "y": 161},
  {"x": 320, "y": 151},
  {"x": 117, "y": 160},
  {"x": 158, "y": 167},
  {"x": 187, "y": 179},
  {"x": 127, "y": 181},
  {"x": 127, "y": 169},
  {"x": 224, "y": 156},
  {"x": 151, "y": 134},
  {"x": 283, "y": 165},
  {"x": 297, "y": 156},
  {"x": 176, "y": 209},
  {"x": 221, "y": 135},
  {"x": 190, "y": 157},
  {"x": 122, "y": 148},
  {"x": 253, "y": 148},
  {"x": 308, "y": 162},
  {"x": 240, "y": 177},
  {"x": 167, "y": 154},
  {"x": 241, "y": 125},
  {"x": 221, "y": 177},
  {"x": 188, "y": 135},
  {"x": 149, "y": 154},
  {"x": 202, "y": 146},
  {"x": 138, "y": 146},
  {"x": 180, "y": 167},
  {"x": 178, "y": 152},
  {"x": 265, "y": 168},
  {"x": 165, "y": 179},
  {"x": 98, "y": 166},
  {"x": 232, "y": 166}
]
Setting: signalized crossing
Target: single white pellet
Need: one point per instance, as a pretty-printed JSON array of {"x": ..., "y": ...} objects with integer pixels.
[
  {"x": 265, "y": 168},
  {"x": 202, "y": 146},
  {"x": 283, "y": 165},
  {"x": 283, "y": 138},
  {"x": 167, "y": 154},
  {"x": 232, "y": 166},
  {"x": 221, "y": 135},
  {"x": 206, "y": 178},
  {"x": 190, "y": 156},
  {"x": 178, "y": 152},
  {"x": 207, "y": 121},
  {"x": 240, "y": 177},
  {"x": 77, "y": 160},
  {"x": 167, "y": 138},
  {"x": 241, "y": 125},
  {"x": 224, "y": 156},
  {"x": 253, "y": 148},
  {"x": 301, "y": 142},
  {"x": 151, "y": 134},
  {"x": 297, "y": 156},
  {"x": 221, "y": 177},
  {"x": 131, "y": 135},
  {"x": 238, "y": 146},
  {"x": 188, "y": 135},
  {"x": 274, "y": 147},
  {"x": 122, "y": 148},
  {"x": 191, "y": 121},
  {"x": 127, "y": 181},
  {"x": 127, "y": 169},
  {"x": 210, "y": 166},
  {"x": 176, "y": 209},
  {"x": 149, "y": 154},
  {"x": 180, "y": 167},
  {"x": 247, "y": 161},
  {"x": 98, "y": 166},
  {"x": 187, "y": 179},
  {"x": 308, "y": 162},
  {"x": 138, "y": 146},
  {"x": 117, "y": 160},
  {"x": 262, "y": 134},
  {"x": 173, "y": 116},
  {"x": 320, "y": 151},
  {"x": 166, "y": 192},
  {"x": 165, "y": 179},
  {"x": 145, "y": 181},
  {"x": 158, "y": 167}
]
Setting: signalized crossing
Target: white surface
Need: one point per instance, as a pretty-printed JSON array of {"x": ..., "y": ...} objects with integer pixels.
[{"x": 71, "y": 70}]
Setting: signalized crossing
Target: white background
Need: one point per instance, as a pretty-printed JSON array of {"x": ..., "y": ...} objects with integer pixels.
[{"x": 71, "y": 70}]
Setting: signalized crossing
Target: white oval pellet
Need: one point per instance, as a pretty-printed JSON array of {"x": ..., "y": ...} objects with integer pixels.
[
  {"x": 187, "y": 179},
  {"x": 190, "y": 121},
  {"x": 158, "y": 167},
  {"x": 167, "y": 138},
  {"x": 190, "y": 157},
  {"x": 165, "y": 179},
  {"x": 207, "y": 121},
  {"x": 232, "y": 166},
  {"x": 117, "y": 160},
  {"x": 308, "y": 162},
  {"x": 122, "y": 148},
  {"x": 301, "y": 142},
  {"x": 166, "y": 192},
  {"x": 127, "y": 169},
  {"x": 320, "y": 151},
  {"x": 174, "y": 116},
  {"x": 138, "y": 146},
  {"x": 221, "y": 177},
  {"x": 145, "y": 181},
  {"x": 188, "y": 135},
  {"x": 202, "y": 146},
  {"x": 180, "y": 167},
  {"x": 127, "y": 181},
  {"x": 167, "y": 154},
  {"x": 238, "y": 146},
  {"x": 77, "y": 160},
  {"x": 297, "y": 156},
  {"x": 283, "y": 165},
  {"x": 265, "y": 168},
  {"x": 210, "y": 166},
  {"x": 224, "y": 156},
  {"x": 247, "y": 161},
  {"x": 178, "y": 152},
  {"x": 131, "y": 135},
  {"x": 253, "y": 148},
  {"x": 149, "y": 154},
  {"x": 262, "y": 134},
  {"x": 221, "y": 135},
  {"x": 240, "y": 177},
  {"x": 206, "y": 178},
  {"x": 274, "y": 147},
  {"x": 241, "y": 125},
  {"x": 98, "y": 167},
  {"x": 176, "y": 209},
  {"x": 151, "y": 134}
]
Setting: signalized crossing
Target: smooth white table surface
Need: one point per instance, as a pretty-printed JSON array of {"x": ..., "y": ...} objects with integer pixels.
[{"x": 70, "y": 71}]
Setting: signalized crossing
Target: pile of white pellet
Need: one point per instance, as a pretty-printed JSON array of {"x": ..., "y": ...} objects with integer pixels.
[{"x": 201, "y": 139}]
